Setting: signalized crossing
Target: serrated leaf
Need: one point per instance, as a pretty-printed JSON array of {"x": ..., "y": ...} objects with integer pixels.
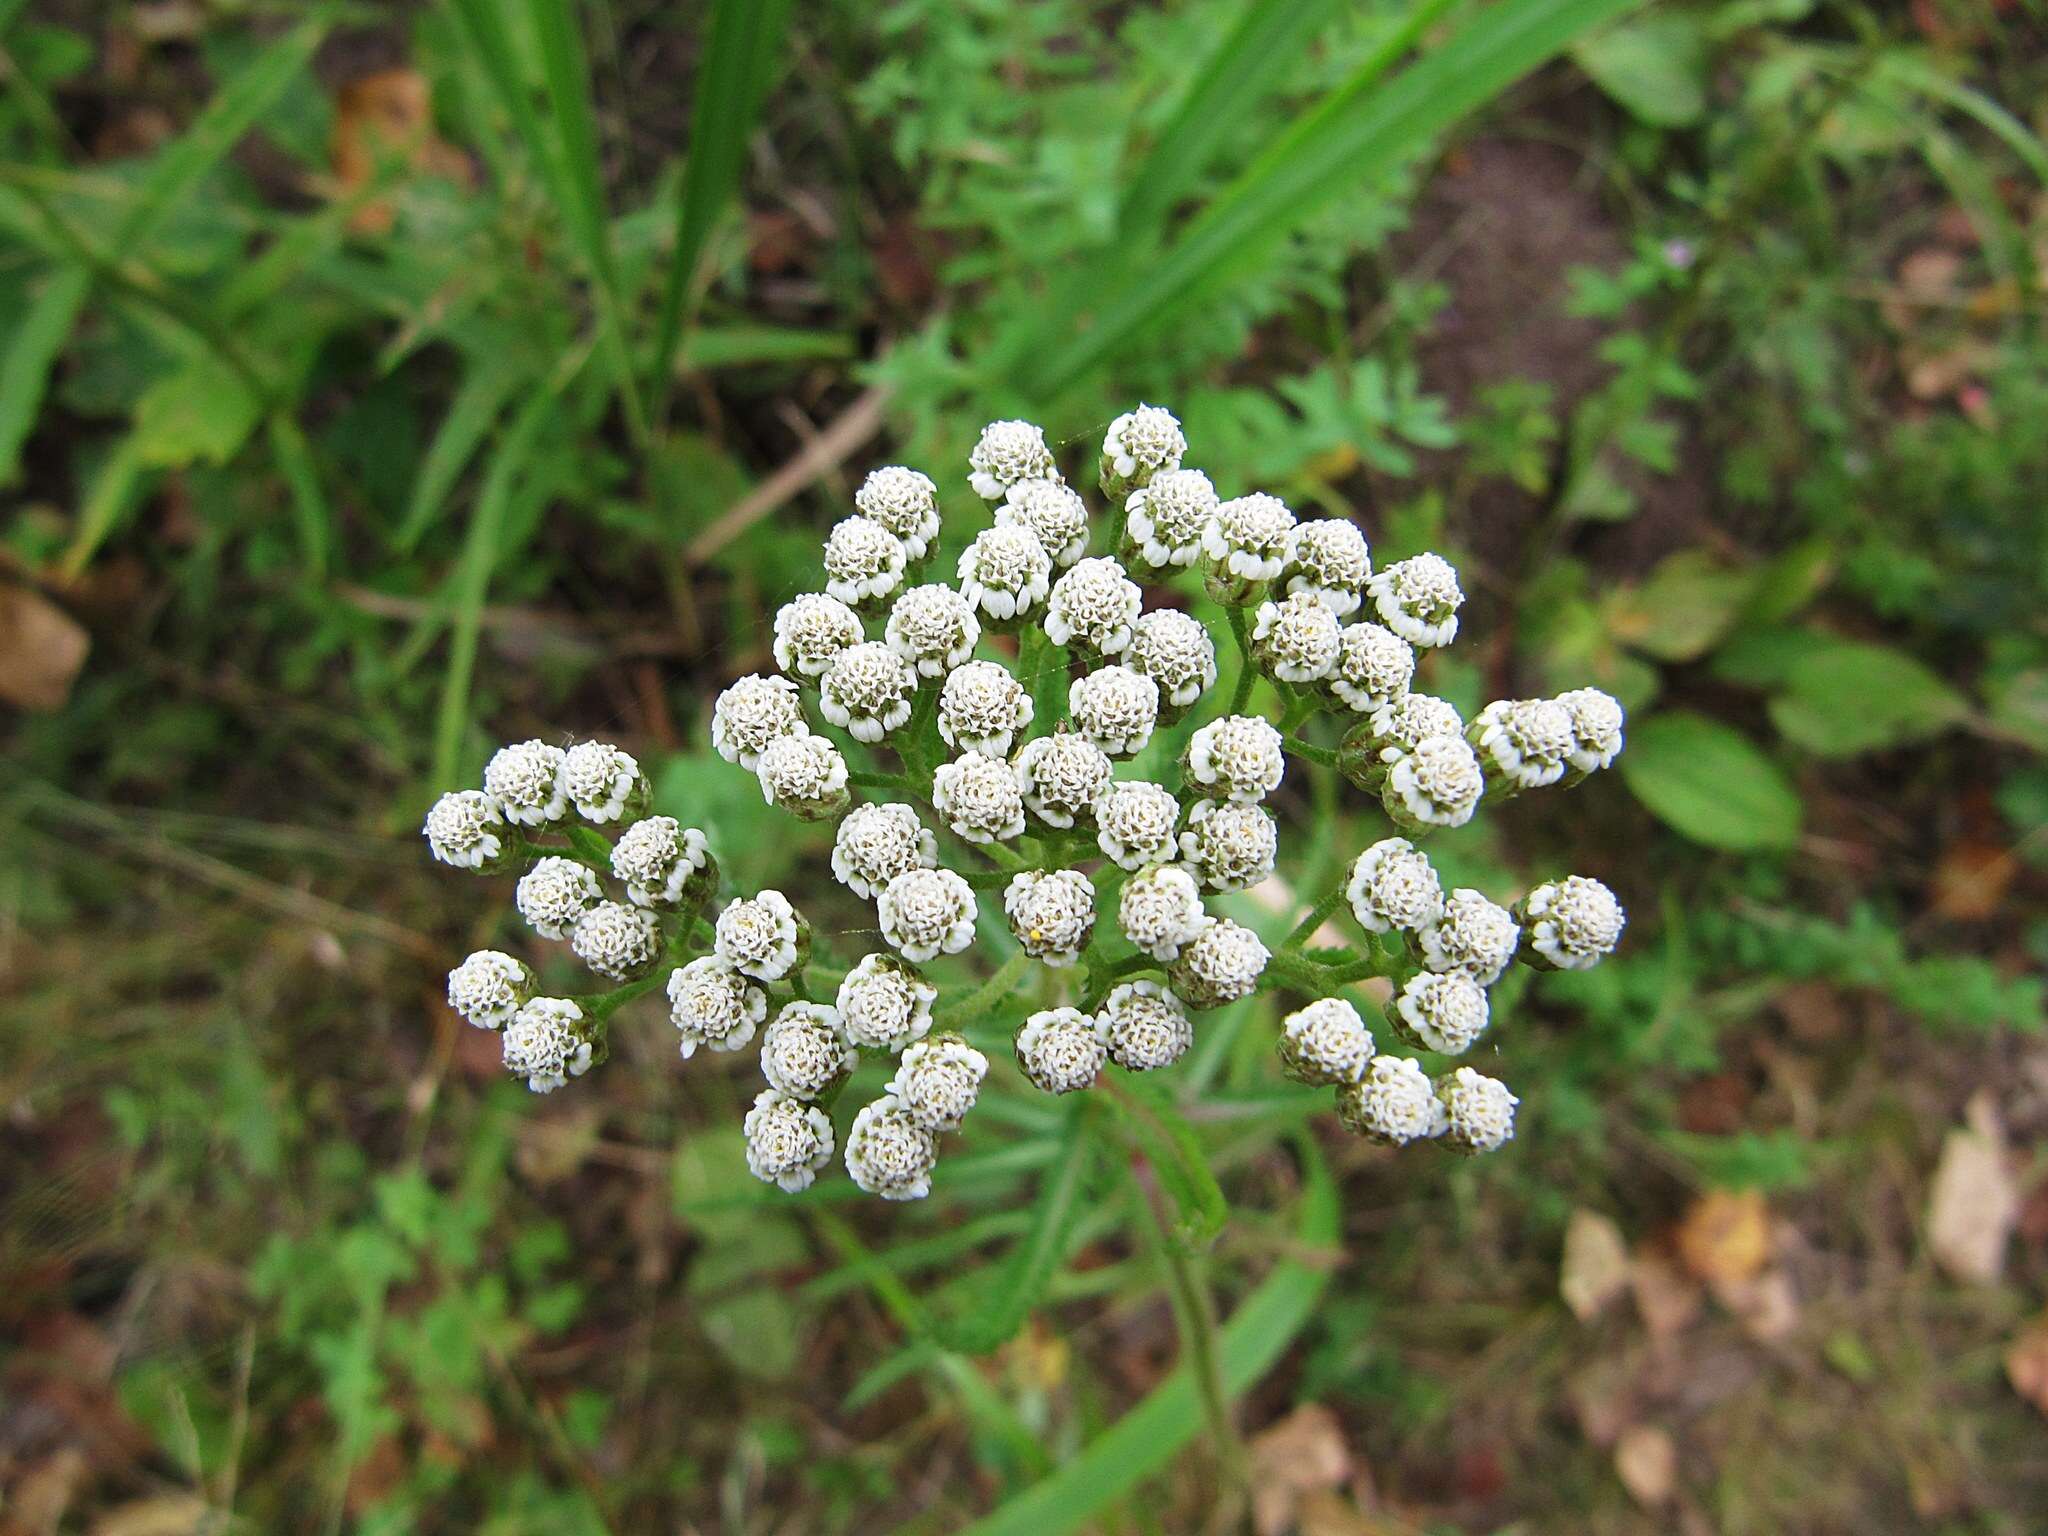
[{"x": 1710, "y": 783}]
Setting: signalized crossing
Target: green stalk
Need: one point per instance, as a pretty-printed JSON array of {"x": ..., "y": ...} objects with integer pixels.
[
  {"x": 989, "y": 993},
  {"x": 1241, "y": 694},
  {"x": 1317, "y": 916}
]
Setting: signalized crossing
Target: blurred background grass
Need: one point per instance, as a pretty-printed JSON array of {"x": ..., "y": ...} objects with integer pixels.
[{"x": 380, "y": 383}]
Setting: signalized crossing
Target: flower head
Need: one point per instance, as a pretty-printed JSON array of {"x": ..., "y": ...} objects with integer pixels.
[
  {"x": 1060, "y": 775},
  {"x": 1297, "y": 638},
  {"x": 1445, "y": 1013},
  {"x": 1406, "y": 722},
  {"x": 1325, "y": 1042},
  {"x": 1596, "y": 728},
  {"x": 982, "y": 708},
  {"x": 1220, "y": 964},
  {"x": 1572, "y": 923},
  {"x": 1246, "y": 542},
  {"x": 1472, "y": 935},
  {"x": 933, "y": 628},
  {"x": 1175, "y": 651},
  {"x": 927, "y": 912},
  {"x": 805, "y": 1052},
  {"x": 1061, "y": 1049},
  {"x": 526, "y": 781},
  {"x": 804, "y": 775},
  {"x": 762, "y": 936},
  {"x": 1479, "y": 1112},
  {"x": 980, "y": 798},
  {"x": 545, "y": 1045},
  {"x": 1238, "y": 757},
  {"x": 1327, "y": 560},
  {"x": 1232, "y": 846},
  {"x": 938, "y": 1081},
  {"x": 604, "y": 783},
  {"x": 876, "y": 843},
  {"x": 489, "y": 988},
  {"x": 811, "y": 631},
  {"x": 1160, "y": 910},
  {"x": 1005, "y": 572},
  {"x": 1436, "y": 785},
  {"x": 1093, "y": 605},
  {"x": 1164, "y": 521},
  {"x": 1144, "y": 1026},
  {"x": 712, "y": 1004},
  {"x": 753, "y": 712},
  {"x": 868, "y": 690},
  {"x": 1115, "y": 707},
  {"x": 904, "y": 502},
  {"x": 864, "y": 562},
  {"x": 788, "y": 1141},
  {"x": 1395, "y": 1103},
  {"x": 1055, "y": 512},
  {"x": 616, "y": 941},
  {"x": 466, "y": 829},
  {"x": 664, "y": 864},
  {"x": 885, "y": 1004},
  {"x": 888, "y": 1153},
  {"x": 1393, "y": 886},
  {"x": 1009, "y": 452},
  {"x": 1418, "y": 599},
  {"x": 1142, "y": 444},
  {"x": 1522, "y": 743},
  {"x": 1052, "y": 913},
  {"x": 1134, "y": 822},
  {"x": 1374, "y": 667},
  {"x": 553, "y": 894}
]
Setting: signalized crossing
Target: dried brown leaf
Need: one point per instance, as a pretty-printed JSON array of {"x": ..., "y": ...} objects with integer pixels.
[
  {"x": 1974, "y": 1203},
  {"x": 1594, "y": 1268},
  {"x": 1646, "y": 1461},
  {"x": 2026, "y": 1362},
  {"x": 1300, "y": 1455},
  {"x": 1725, "y": 1236},
  {"x": 41, "y": 649}
]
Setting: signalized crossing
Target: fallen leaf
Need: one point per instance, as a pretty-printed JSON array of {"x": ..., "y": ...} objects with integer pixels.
[
  {"x": 1813, "y": 1011},
  {"x": 1646, "y": 1461},
  {"x": 1970, "y": 881},
  {"x": 1725, "y": 1236},
  {"x": 1300, "y": 1455},
  {"x": 1766, "y": 1305},
  {"x": 170, "y": 1514},
  {"x": 2026, "y": 1362},
  {"x": 41, "y": 649},
  {"x": 381, "y": 119},
  {"x": 1973, "y": 1204},
  {"x": 1666, "y": 1298},
  {"x": 1594, "y": 1268}
]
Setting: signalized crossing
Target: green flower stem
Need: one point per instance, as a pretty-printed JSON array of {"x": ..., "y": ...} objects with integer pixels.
[
  {"x": 1318, "y": 915},
  {"x": 1304, "y": 705},
  {"x": 1241, "y": 694},
  {"x": 1308, "y": 751},
  {"x": 885, "y": 781},
  {"x": 1284, "y": 968},
  {"x": 989, "y": 993},
  {"x": 1103, "y": 977},
  {"x": 601, "y": 1007}
]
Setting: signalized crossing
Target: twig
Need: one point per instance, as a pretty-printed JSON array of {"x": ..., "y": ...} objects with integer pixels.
[{"x": 824, "y": 453}]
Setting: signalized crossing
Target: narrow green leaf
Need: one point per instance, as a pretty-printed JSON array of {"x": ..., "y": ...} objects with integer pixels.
[
  {"x": 31, "y": 354},
  {"x": 1710, "y": 783},
  {"x": 478, "y": 400},
  {"x": 1177, "y": 1158},
  {"x": 108, "y": 500},
  {"x": 294, "y": 457}
]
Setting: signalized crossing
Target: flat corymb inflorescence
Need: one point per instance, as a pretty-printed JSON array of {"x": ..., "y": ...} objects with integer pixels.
[{"x": 1055, "y": 818}]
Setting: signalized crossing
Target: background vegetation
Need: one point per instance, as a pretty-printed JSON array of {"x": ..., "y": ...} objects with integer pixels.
[{"x": 381, "y": 383}]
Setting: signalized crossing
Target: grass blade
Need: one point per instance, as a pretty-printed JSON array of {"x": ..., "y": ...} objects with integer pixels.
[
  {"x": 310, "y": 511},
  {"x": 25, "y": 370},
  {"x": 478, "y": 400}
]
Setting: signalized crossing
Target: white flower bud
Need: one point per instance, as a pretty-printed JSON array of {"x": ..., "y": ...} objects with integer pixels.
[
  {"x": 1009, "y": 452},
  {"x": 713, "y": 1005},
  {"x": 1522, "y": 743},
  {"x": 1052, "y": 913},
  {"x": 1442, "y": 1013},
  {"x": 1115, "y": 707},
  {"x": 1246, "y": 542},
  {"x": 1374, "y": 667},
  {"x": 1573, "y": 923},
  {"x": 544, "y": 1044},
  {"x": 1175, "y": 651},
  {"x": 1238, "y": 757},
  {"x": 888, "y": 1153},
  {"x": 1395, "y": 1103},
  {"x": 753, "y": 712},
  {"x": 1144, "y": 1026},
  {"x": 788, "y": 1141},
  {"x": 1005, "y": 572},
  {"x": 1327, "y": 559},
  {"x": 762, "y": 936},
  {"x": 1160, "y": 910},
  {"x": 904, "y": 502},
  {"x": 1297, "y": 638},
  {"x": 804, "y": 775},
  {"x": 1061, "y": 1049},
  {"x": 1232, "y": 846},
  {"x": 604, "y": 783},
  {"x": 553, "y": 894},
  {"x": 664, "y": 864},
  {"x": 876, "y": 843},
  {"x": 1418, "y": 599},
  {"x": 1134, "y": 823},
  {"x": 885, "y": 1004},
  {"x": 938, "y": 1081},
  {"x": 1472, "y": 935},
  {"x": 1479, "y": 1112},
  {"x": 465, "y": 829},
  {"x": 980, "y": 798},
  {"x": 616, "y": 941},
  {"x": 1596, "y": 728},
  {"x": 1325, "y": 1042},
  {"x": 1141, "y": 445},
  {"x": 1393, "y": 886},
  {"x": 1220, "y": 964},
  {"x": 864, "y": 562},
  {"x": 489, "y": 988},
  {"x": 811, "y": 631},
  {"x": 804, "y": 1052},
  {"x": 933, "y": 628},
  {"x": 868, "y": 690},
  {"x": 1164, "y": 521},
  {"x": 1093, "y": 606},
  {"x": 1436, "y": 785},
  {"x": 526, "y": 781},
  {"x": 982, "y": 708},
  {"x": 927, "y": 912},
  {"x": 1054, "y": 512},
  {"x": 1060, "y": 775},
  {"x": 1408, "y": 721}
]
